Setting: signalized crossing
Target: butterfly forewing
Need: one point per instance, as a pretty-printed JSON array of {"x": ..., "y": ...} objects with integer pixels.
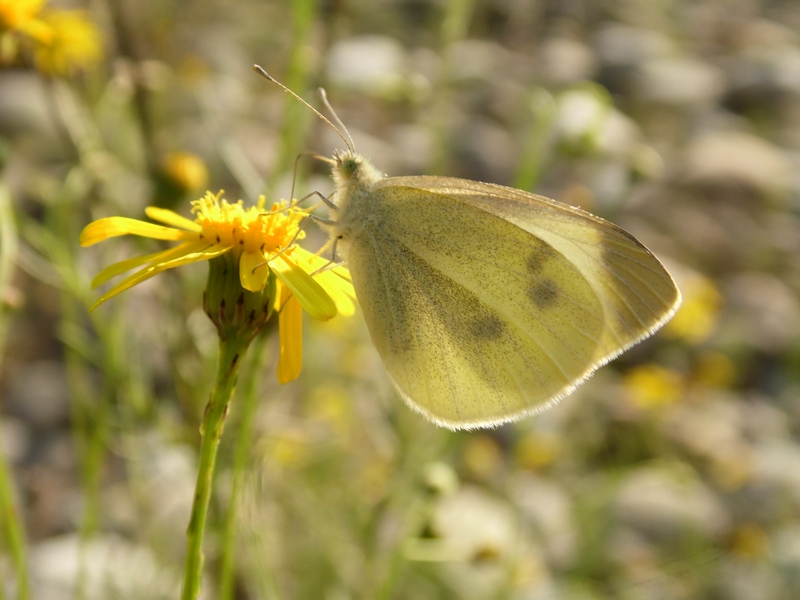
[{"x": 636, "y": 292}]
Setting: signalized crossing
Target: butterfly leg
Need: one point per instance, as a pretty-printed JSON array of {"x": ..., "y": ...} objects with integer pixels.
[{"x": 332, "y": 263}]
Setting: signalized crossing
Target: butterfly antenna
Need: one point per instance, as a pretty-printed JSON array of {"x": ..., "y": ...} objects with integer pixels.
[{"x": 347, "y": 140}]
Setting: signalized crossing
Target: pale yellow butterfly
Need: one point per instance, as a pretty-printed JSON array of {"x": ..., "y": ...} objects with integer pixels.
[{"x": 488, "y": 303}]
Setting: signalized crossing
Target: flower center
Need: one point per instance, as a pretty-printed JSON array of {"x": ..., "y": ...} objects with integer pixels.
[{"x": 249, "y": 229}]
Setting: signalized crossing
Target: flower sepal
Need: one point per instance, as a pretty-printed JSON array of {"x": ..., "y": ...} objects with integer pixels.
[{"x": 236, "y": 312}]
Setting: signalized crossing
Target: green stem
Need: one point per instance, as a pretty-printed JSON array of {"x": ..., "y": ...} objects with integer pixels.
[
  {"x": 231, "y": 351},
  {"x": 242, "y": 452}
]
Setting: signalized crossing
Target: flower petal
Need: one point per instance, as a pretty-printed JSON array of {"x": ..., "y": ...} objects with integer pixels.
[
  {"x": 290, "y": 324},
  {"x": 340, "y": 290},
  {"x": 312, "y": 297},
  {"x": 102, "y": 229},
  {"x": 172, "y": 218},
  {"x": 282, "y": 294},
  {"x": 193, "y": 252},
  {"x": 253, "y": 271},
  {"x": 125, "y": 265}
]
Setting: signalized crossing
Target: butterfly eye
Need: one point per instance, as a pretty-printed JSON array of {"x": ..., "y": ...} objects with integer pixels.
[{"x": 350, "y": 166}]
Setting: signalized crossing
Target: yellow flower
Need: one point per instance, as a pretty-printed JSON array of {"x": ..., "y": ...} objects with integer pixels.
[
  {"x": 652, "y": 386},
  {"x": 750, "y": 541},
  {"x": 23, "y": 16},
  {"x": 262, "y": 243},
  {"x": 185, "y": 170},
  {"x": 539, "y": 449},
  {"x": 715, "y": 369},
  {"x": 73, "y": 43},
  {"x": 697, "y": 318}
]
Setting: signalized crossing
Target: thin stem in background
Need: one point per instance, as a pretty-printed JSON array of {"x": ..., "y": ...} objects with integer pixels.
[
  {"x": 454, "y": 28},
  {"x": 296, "y": 116},
  {"x": 244, "y": 443},
  {"x": 90, "y": 411},
  {"x": 130, "y": 47},
  {"x": 10, "y": 528},
  {"x": 537, "y": 150}
]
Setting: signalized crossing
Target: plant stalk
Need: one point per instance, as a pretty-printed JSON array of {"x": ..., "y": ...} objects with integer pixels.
[{"x": 231, "y": 352}]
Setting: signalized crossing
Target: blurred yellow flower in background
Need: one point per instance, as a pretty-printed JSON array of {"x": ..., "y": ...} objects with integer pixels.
[
  {"x": 74, "y": 43},
  {"x": 62, "y": 42},
  {"x": 482, "y": 457},
  {"x": 714, "y": 369},
  {"x": 653, "y": 386},
  {"x": 697, "y": 317},
  {"x": 23, "y": 16},
  {"x": 750, "y": 541},
  {"x": 538, "y": 449},
  {"x": 185, "y": 170}
]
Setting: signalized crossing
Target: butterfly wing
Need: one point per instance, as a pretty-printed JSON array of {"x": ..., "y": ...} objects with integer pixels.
[{"x": 487, "y": 303}]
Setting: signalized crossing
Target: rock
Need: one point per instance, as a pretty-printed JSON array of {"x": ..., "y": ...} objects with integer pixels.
[
  {"x": 549, "y": 508},
  {"x": 727, "y": 157},
  {"x": 662, "y": 504},
  {"x": 616, "y": 44},
  {"x": 39, "y": 393},
  {"x": 777, "y": 465},
  {"x": 620, "y": 49},
  {"x": 764, "y": 312},
  {"x": 766, "y": 67},
  {"x": 746, "y": 580},
  {"x": 785, "y": 547},
  {"x": 483, "y": 151},
  {"x": 679, "y": 82},
  {"x": 562, "y": 61},
  {"x": 372, "y": 64},
  {"x": 14, "y": 440},
  {"x": 114, "y": 568},
  {"x": 474, "y": 59}
]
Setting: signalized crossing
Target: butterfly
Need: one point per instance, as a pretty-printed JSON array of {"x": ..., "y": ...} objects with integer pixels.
[{"x": 488, "y": 303}]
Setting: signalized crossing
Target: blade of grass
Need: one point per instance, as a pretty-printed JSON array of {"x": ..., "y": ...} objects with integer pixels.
[{"x": 10, "y": 525}]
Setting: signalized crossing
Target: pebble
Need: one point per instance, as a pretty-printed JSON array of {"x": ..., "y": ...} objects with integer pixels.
[{"x": 663, "y": 503}]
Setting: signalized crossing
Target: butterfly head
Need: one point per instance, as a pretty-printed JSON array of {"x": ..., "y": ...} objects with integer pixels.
[{"x": 352, "y": 169}]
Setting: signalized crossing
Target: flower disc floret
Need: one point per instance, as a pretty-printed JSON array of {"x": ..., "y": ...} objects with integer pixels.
[{"x": 247, "y": 228}]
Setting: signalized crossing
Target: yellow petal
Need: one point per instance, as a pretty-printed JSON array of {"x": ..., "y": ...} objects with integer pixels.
[
  {"x": 172, "y": 218},
  {"x": 340, "y": 290},
  {"x": 290, "y": 324},
  {"x": 253, "y": 271},
  {"x": 312, "y": 297},
  {"x": 282, "y": 294},
  {"x": 191, "y": 253},
  {"x": 125, "y": 265},
  {"x": 102, "y": 229}
]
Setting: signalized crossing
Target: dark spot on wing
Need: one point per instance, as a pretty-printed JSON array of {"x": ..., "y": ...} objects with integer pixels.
[
  {"x": 540, "y": 254},
  {"x": 543, "y": 293},
  {"x": 455, "y": 310},
  {"x": 487, "y": 326}
]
